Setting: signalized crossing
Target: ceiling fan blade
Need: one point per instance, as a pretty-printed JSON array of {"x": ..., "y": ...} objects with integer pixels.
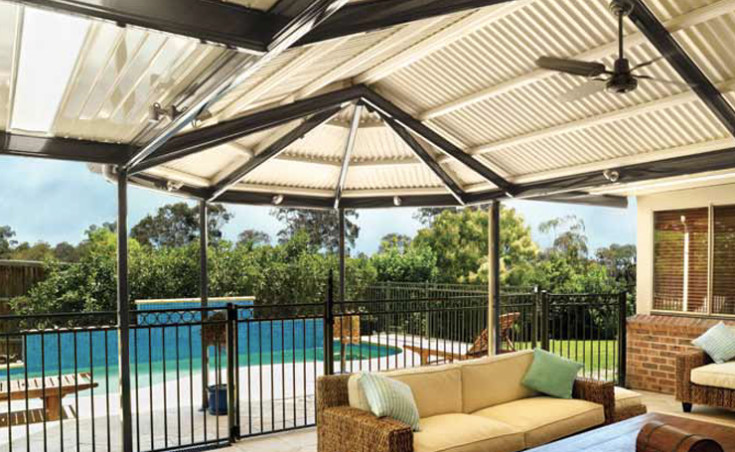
[
  {"x": 584, "y": 90},
  {"x": 661, "y": 80},
  {"x": 573, "y": 67},
  {"x": 647, "y": 63}
]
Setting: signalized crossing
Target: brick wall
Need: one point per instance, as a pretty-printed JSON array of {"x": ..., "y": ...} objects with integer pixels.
[{"x": 653, "y": 343}]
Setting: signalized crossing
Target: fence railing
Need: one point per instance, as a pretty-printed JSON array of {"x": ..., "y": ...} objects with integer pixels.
[{"x": 263, "y": 361}]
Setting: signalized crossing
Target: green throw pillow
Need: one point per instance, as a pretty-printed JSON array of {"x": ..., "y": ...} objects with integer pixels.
[
  {"x": 718, "y": 342},
  {"x": 551, "y": 374},
  {"x": 390, "y": 398}
]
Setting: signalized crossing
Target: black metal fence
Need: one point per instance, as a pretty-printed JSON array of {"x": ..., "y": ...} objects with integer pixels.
[{"x": 262, "y": 362}]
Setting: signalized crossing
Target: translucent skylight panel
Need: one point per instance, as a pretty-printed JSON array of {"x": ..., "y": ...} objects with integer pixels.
[{"x": 50, "y": 45}]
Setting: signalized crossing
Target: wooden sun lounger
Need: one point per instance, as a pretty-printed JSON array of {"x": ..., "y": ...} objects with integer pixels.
[
  {"x": 51, "y": 390},
  {"x": 478, "y": 349}
]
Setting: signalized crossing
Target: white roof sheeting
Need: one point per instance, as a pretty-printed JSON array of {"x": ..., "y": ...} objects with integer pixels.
[{"x": 469, "y": 76}]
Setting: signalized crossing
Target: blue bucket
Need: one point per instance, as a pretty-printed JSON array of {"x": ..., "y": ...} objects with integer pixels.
[{"x": 217, "y": 400}]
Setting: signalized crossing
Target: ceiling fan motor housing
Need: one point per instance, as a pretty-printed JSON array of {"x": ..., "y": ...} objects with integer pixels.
[{"x": 622, "y": 81}]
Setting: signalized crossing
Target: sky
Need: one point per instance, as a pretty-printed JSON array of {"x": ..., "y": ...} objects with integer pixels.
[{"x": 54, "y": 201}]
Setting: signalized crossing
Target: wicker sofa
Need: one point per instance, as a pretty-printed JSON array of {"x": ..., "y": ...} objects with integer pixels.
[
  {"x": 471, "y": 406},
  {"x": 702, "y": 382}
]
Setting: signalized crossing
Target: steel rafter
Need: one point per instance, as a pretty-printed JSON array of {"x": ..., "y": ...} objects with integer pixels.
[
  {"x": 272, "y": 151},
  {"x": 389, "y": 109},
  {"x": 307, "y": 20},
  {"x": 349, "y": 146},
  {"x": 687, "y": 69},
  {"x": 424, "y": 156},
  {"x": 224, "y": 132}
]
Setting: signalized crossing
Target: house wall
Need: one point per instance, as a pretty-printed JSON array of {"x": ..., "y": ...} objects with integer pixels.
[{"x": 655, "y": 340}]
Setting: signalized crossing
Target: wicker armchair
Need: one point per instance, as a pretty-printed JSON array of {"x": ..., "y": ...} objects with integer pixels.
[
  {"x": 344, "y": 429},
  {"x": 689, "y": 393}
]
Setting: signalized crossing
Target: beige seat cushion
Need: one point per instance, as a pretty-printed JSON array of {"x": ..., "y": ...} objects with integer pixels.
[
  {"x": 436, "y": 389},
  {"x": 465, "y": 433},
  {"x": 495, "y": 380},
  {"x": 545, "y": 419},
  {"x": 625, "y": 398},
  {"x": 715, "y": 375}
]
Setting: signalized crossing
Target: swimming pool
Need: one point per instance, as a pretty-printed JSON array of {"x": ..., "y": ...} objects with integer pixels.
[{"x": 156, "y": 346}]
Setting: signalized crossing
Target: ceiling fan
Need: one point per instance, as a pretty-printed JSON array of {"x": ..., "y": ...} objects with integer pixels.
[{"x": 622, "y": 79}]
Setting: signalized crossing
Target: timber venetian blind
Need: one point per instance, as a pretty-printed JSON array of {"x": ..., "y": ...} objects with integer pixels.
[
  {"x": 681, "y": 248},
  {"x": 723, "y": 260}
]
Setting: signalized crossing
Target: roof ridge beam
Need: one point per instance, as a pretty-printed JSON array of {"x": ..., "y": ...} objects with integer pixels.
[
  {"x": 205, "y": 138},
  {"x": 451, "y": 185},
  {"x": 687, "y": 69},
  {"x": 441, "y": 39},
  {"x": 675, "y": 24},
  {"x": 272, "y": 151},
  {"x": 592, "y": 121},
  {"x": 389, "y": 109}
]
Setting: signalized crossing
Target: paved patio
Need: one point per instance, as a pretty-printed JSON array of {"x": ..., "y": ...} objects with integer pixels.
[{"x": 305, "y": 440}]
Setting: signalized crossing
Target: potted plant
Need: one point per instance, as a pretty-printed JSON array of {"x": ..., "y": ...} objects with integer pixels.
[{"x": 214, "y": 333}]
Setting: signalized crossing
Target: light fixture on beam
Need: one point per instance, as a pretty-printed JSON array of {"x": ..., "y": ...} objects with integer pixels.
[
  {"x": 277, "y": 200},
  {"x": 397, "y": 201},
  {"x": 611, "y": 175},
  {"x": 173, "y": 186}
]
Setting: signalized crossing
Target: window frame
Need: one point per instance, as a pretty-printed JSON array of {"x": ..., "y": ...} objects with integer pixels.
[{"x": 710, "y": 265}]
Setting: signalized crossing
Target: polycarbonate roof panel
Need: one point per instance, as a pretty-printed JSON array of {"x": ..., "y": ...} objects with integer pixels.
[{"x": 9, "y": 15}]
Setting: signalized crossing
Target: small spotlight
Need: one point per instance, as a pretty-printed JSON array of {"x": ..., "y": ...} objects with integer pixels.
[
  {"x": 173, "y": 186},
  {"x": 277, "y": 200},
  {"x": 611, "y": 175},
  {"x": 397, "y": 201}
]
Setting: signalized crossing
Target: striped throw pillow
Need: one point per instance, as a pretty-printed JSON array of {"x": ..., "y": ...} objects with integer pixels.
[
  {"x": 718, "y": 342},
  {"x": 390, "y": 398}
]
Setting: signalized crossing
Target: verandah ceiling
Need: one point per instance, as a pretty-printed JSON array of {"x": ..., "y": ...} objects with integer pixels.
[{"x": 470, "y": 76}]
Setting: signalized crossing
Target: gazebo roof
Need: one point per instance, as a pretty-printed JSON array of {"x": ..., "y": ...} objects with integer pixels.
[{"x": 447, "y": 109}]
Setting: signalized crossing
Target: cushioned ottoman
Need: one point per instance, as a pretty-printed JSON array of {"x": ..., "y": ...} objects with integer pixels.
[{"x": 628, "y": 404}]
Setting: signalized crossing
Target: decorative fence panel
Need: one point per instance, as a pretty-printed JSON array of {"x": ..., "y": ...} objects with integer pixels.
[{"x": 261, "y": 364}]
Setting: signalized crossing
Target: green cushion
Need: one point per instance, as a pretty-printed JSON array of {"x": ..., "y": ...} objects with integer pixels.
[
  {"x": 718, "y": 342},
  {"x": 551, "y": 374},
  {"x": 390, "y": 398}
]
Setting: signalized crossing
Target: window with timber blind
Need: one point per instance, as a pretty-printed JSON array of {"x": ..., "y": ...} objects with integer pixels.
[
  {"x": 681, "y": 260},
  {"x": 723, "y": 260},
  {"x": 694, "y": 260}
]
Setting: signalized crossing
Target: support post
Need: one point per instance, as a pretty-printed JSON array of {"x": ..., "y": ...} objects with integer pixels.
[
  {"x": 204, "y": 293},
  {"x": 232, "y": 383},
  {"x": 493, "y": 259},
  {"x": 123, "y": 313},
  {"x": 328, "y": 320},
  {"x": 342, "y": 282},
  {"x": 545, "y": 320},
  {"x": 622, "y": 338}
]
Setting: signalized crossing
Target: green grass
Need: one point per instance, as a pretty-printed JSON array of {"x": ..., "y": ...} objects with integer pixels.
[{"x": 597, "y": 356}]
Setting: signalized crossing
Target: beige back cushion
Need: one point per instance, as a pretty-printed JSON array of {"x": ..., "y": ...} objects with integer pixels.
[
  {"x": 494, "y": 380},
  {"x": 436, "y": 389}
]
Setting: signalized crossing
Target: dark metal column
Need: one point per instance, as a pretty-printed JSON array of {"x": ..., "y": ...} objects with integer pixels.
[
  {"x": 494, "y": 278},
  {"x": 204, "y": 292},
  {"x": 342, "y": 257},
  {"x": 123, "y": 313}
]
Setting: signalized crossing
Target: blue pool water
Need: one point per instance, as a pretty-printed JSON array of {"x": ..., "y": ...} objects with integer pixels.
[{"x": 156, "y": 345}]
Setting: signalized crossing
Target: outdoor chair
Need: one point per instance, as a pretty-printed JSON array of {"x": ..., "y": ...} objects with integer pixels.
[
  {"x": 479, "y": 346},
  {"x": 700, "y": 381}
]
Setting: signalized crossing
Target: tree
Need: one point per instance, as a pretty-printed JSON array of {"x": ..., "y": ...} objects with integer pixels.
[
  {"x": 426, "y": 215},
  {"x": 39, "y": 251},
  {"x": 253, "y": 238},
  {"x": 6, "y": 241},
  {"x": 66, "y": 252},
  {"x": 177, "y": 225},
  {"x": 393, "y": 240},
  {"x": 412, "y": 264},
  {"x": 572, "y": 240},
  {"x": 321, "y": 227},
  {"x": 620, "y": 261}
]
